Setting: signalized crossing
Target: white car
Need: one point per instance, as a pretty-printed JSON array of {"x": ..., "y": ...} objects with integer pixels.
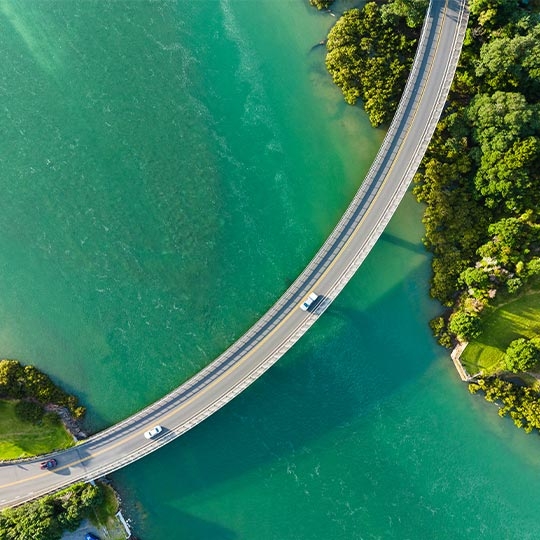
[
  {"x": 153, "y": 432},
  {"x": 306, "y": 304}
]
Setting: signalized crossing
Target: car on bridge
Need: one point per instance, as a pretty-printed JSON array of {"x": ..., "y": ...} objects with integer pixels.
[
  {"x": 49, "y": 464},
  {"x": 150, "y": 434},
  {"x": 308, "y": 302}
]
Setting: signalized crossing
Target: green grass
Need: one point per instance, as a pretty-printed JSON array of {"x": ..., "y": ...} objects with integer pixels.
[
  {"x": 23, "y": 439},
  {"x": 515, "y": 319}
]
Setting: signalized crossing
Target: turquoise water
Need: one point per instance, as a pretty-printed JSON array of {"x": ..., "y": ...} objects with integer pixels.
[{"x": 167, "y": 169}]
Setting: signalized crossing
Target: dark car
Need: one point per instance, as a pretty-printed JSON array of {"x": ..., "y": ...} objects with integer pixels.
[
  {"x": 91, "y": 536},
  {"x": 49, "y": 464}
]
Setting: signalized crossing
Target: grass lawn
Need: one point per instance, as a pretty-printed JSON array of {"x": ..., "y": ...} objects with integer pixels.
[
  {"x": 23, "y": 439},
  {"x": 518, "y": 318}
]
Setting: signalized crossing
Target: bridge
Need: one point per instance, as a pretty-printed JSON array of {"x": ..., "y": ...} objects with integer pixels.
[{"x": 284, "y": 324}]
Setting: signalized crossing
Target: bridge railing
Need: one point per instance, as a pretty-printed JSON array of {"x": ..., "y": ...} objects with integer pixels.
[
  {"x": 302, "y": 285},
  {"x": 389, "y": 150}
]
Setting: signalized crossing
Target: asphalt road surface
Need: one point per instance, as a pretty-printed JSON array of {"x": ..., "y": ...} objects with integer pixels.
[{"x": 277, "y": 330}]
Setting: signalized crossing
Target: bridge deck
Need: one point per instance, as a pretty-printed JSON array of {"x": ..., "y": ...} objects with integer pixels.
[{"x": 277, "y": 330}]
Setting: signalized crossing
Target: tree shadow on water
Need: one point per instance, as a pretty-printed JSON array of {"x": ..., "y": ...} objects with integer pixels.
[{"x": 196, "y": 528}]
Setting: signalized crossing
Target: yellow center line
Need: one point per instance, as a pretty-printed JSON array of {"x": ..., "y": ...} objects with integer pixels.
[
  {"x": 171, "y": 413},
  {"x": 357, "y": 228},
  {"x": 244, "y": 358}
]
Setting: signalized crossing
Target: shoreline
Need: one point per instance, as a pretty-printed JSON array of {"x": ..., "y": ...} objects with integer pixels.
[
  {"x": 116, "y": 526},
  {"x": 72, "y": 425},
  {"x": 74, "y": 428},
  {"x": 456, "y": 358}
]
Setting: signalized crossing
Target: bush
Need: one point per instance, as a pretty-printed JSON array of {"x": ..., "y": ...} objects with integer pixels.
[
  {"x": 369, "y": 59},
  {"x": 20, "y": 382},
  {"x": 521, "y": 403},
  {"x": 321, "y": 4},
  {"x": 438, "y": 327},
  {"x": 46, "y": 518}
]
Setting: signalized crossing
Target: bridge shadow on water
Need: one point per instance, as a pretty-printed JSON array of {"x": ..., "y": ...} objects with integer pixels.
[
  {"x": 350, "y": 362},
  {"x": 403, "y": 243}
]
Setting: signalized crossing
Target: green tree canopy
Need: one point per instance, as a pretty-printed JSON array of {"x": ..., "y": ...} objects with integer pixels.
[
  {"x": 321, "y": 4},
  {"x": 499, "y": 119},
  {"x": 465, "y": 325},
  {"x": 48, "y": 517},
  {"x": 412, "y": 11},
  {"x": 18, "y": 382},
  {"x": 11, "y": 379},
  {"x": 512, "y": 62},
  {"x": 512, "y": 240},
  {"x": 369, "y": 60},
  {"x": 507, "y": 130},
  {"x": 521, "y": 355},
  {"x": 475, "y": 277},
  {"x": 491, "y": 13}
]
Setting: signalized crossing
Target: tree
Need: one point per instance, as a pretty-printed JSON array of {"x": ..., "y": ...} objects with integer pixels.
[
  {"x": 29, "y": 411},
  {"x": 510, "y": 176},
  {"x": 46, "y": 518},
  {"x": 413, "y": 11},
  {"x": 369, "y": 59},
  {"x": 23, "y": 382},
  {"x": 491, "y": 13},
  {"x": 521, "y": 355},
  {"x": 512, "y": 63},
  {"x": 11, "y": 379},
  {"x": 520, "y": 402},
  {"x": 513, "y": 240},
  {"x": 474, "y": 277},
  {"x": 500, "y": 118},
  {"x": 507, "y": 131},
  {"x": 465, "y": 325},
  {"x": 438, "y": 327}
]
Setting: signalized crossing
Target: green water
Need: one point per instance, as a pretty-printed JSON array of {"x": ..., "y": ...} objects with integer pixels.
[{"x": 167, "y": 168}]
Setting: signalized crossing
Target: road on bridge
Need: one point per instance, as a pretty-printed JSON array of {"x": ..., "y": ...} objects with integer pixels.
[{"x": 329, "y": 271}]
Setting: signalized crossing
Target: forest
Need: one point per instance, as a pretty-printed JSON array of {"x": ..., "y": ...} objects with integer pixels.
[{"x": 480, "y": 177}]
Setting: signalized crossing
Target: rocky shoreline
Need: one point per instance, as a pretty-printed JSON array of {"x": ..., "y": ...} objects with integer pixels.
[{"x": 70, "y": 423}]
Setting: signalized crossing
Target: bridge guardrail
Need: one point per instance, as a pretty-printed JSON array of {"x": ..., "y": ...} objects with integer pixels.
[
  {"x": 346, "y": 227},
  {"x": 299, "y": 285}
]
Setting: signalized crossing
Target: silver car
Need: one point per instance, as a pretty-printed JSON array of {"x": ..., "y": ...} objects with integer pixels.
[{"x": 153, "y": 432}]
